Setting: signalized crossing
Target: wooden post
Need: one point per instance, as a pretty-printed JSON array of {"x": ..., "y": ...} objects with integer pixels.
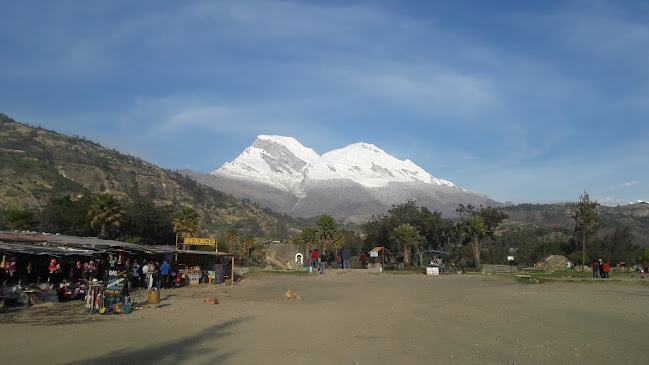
[
  {"x": 232, "y": 273},
  {"x": 382, "y": 260}
]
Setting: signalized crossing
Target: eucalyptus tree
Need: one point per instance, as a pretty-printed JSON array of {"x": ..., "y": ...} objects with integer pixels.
[
  {"x": 245, "y": 244},
  {"x": 587, "y": 222}
]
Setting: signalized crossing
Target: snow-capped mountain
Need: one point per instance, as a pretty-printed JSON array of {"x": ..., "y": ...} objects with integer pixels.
[
  {"x": 285, "y": 163},
  {"x": 359, "y": 180}
]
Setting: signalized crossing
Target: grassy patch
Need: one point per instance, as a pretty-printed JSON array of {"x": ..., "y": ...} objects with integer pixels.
[
  {"x": 254, "y": 272},
  {"x": 407, "y": 271},
  {"x": 562, "y": 276}
]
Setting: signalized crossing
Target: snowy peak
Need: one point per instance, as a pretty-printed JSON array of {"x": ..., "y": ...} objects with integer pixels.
[
  {"x": 285, "y": 163},
  {"x": 275, "y": 160},
  {"x": 372, "y": 167}
]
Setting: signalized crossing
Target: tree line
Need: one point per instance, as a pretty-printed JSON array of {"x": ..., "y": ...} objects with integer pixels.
[{"x": 105, "y": 216}]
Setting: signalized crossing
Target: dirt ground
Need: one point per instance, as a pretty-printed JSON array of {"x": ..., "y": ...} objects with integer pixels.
[{"x": 348, "y": 317}]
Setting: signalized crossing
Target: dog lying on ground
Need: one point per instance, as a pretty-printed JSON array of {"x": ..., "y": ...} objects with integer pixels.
[
  {"x": 291, "y": 295},
  {"x": 211, "y": 301}
]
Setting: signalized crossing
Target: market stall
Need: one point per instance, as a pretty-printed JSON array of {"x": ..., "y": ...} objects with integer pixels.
[
  {"x": 380, "y": 251},
  {"x": 437, "y": 263}
]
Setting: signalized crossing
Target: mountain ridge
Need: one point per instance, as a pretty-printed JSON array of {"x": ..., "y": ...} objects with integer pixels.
[
  {"x": 353, "y": 183},
  {"x": 37, "y": 165}
]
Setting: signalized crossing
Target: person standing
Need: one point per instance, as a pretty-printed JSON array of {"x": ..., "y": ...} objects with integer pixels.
[
  {"x": 606, "y": 269},
  {"x": 145, "y": 275},
  {"x": 601, "y": 269},
  {"x": 338, "y": 261},
  {"x": 568, "y": 266},
  {"x": 462, "y": 264},
  {"x": 314, "y": 258},
  {"x": 400, "y": 261},
  {"x": 136, "y": 275},
  {"x": 595, "y": 269},
  {"x": 346, "y": 255},
  {"x": 363, "y": 260},
  {"x": 323, "y": 263},
  {"x": 164, "y": 271}
]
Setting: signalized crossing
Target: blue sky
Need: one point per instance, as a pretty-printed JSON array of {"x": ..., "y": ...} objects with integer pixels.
[{"x": 525, "y": 101}]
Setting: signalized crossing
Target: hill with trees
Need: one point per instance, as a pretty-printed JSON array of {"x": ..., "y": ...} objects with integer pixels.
[{"x": 49, "y": 181}]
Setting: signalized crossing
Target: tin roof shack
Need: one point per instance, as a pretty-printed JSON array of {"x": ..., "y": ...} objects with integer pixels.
[
  {"x": 217, "y": 264},
  {"x": 380, "y": 251}
]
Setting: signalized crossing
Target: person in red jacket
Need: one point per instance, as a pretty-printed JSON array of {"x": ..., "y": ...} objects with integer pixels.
[
  {"x": 595, "y": 269},
  {"x": 363, "y": 259},
  {"x": 607, "y": 269},
  {"x": 314, "y": 258}
]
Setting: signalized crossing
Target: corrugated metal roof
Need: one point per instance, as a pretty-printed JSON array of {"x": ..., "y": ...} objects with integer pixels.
[{"x": 43, "y": 244}]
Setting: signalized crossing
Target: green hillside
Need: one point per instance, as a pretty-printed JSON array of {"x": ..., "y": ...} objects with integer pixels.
[
  {"x": 38, "y": 165},
  {"x": 635, "y": 216}
]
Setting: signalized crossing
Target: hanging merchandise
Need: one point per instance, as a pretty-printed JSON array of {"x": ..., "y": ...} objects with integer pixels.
[
  {"x": 52, "y": 266},
  {"x": 10, "y": 267}
]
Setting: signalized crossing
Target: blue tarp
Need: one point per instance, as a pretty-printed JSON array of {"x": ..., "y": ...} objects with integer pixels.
[{"x": 435, "y": 252}]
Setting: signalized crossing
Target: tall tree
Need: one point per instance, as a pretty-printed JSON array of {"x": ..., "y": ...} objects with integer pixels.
[
  {"x": 475, "y": 228},
  {"x": 326, "y": 226},
  {"x": 338, "y": 241},
  {"x": 407, "y": 237},
  {"x": 68, "y": 216},
  {"x": 105, "y": 211},
  {"x": 186, "y": 223},
  {"x": 310, "y": 237},
  {"x": 21, "y": 219},
  {"x": 245, "y": 244},
  {"x": 587, "y": 222},
  {"x": 232, "y": 237}
]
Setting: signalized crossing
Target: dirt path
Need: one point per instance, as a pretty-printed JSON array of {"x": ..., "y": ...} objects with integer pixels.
[{"x": 349, "y": 317}]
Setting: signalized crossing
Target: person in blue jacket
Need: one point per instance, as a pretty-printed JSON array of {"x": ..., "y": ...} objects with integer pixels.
[
  {"x": 346, "y": 259},
  {"x": 164, "y": 271}
]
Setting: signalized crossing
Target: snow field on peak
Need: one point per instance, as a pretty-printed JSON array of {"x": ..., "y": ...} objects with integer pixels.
[{"x": 285, "y": 163}]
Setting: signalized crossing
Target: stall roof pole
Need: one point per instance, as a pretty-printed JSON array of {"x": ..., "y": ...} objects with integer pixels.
[
  {"x": 383, "y": 260},
  {"x": 232, "y": 273}
]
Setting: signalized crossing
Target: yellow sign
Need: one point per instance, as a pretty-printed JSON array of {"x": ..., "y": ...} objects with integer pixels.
[{"x": 200, "y": 241}]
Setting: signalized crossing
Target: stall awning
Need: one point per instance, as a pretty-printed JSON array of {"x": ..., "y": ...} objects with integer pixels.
[
  {"x": 16, "y": 248},
  {"x": 435, "y": 252},
  {"x": 381, "y": 248}
]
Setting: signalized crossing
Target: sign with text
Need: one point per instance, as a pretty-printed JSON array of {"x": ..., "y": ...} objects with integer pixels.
[
  {"x": 115, "y": 288},
  {"x": 200, "y": 241}
]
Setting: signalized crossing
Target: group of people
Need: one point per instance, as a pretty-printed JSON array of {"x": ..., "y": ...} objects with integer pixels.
[
  {"x": 323, "y": 260},
  {"x": 151, "y": 274},
  {"x": 601, "y": 268}
]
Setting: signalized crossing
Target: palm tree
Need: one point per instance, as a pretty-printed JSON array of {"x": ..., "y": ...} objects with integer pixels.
[
  {"x": 407, "y": 237},
  {"x": 186, "y": 223},
  {"x": 475, "y": 228},
  {"x": 309, "y": 237},
  {"x": 232, "y": 237},
  {"x": 21, "y": 220},
  {"x": 105, "y": 211},
  {"x": 338, "y": 241},
  {"x": 326, "y": 227}
]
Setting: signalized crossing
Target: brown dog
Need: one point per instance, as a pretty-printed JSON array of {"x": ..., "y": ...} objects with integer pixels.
[
  {"x": 291, "y": 295},
  {"x": 211, "y": 301}
]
